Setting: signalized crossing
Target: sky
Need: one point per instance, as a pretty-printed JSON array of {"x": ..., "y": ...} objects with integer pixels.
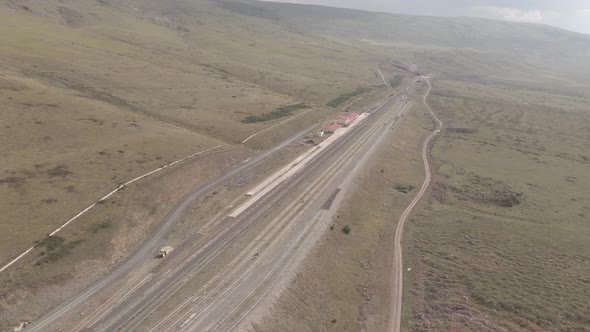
[{"x": 572, "y": 15}]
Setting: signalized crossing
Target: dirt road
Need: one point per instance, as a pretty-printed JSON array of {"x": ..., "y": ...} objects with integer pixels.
[{"x": 397, "y": 270}]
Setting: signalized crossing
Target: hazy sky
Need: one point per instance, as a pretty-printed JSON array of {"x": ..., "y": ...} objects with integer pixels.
[{"x": 568, "y": 14}]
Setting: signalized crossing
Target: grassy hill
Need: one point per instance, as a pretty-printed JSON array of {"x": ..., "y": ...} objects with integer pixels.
[
  {"x": 529, "y": 42},
  {"x": 108, "y": 91}
]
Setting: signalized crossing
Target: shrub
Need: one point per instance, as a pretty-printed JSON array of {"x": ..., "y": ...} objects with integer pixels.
[
  {"x": 103, "y": 225},
  {"x": 461, "y": 130},
  {"x": 279, "y": 113},
  {"x": 52, "y": 242},
  {"x": 404, "y": 188},
  {"x": 59, "y": 171},
  {"x": 342, "y": 99},
  {"x": 56, "y": 248},
  {"x": 396, "y": 81},
  {"x": 346, "y": 229}
]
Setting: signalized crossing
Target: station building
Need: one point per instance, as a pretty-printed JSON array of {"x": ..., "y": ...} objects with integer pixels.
[
  {"x": 330, "y": 129},
  {"x": 346, "y": 118}
]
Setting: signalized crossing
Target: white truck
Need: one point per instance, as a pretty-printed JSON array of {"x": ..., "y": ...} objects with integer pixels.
[
  {"x": 165, "y": 251},
  {"x": 21, "y": 326}
]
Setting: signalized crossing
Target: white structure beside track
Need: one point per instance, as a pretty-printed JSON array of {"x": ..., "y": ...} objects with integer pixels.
[{"x": 293, "y": 167}]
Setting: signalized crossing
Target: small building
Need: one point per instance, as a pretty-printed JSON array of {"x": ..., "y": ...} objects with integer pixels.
[
  {"x": 346, "y": 118},
  {"x": 330, "y": 129}
]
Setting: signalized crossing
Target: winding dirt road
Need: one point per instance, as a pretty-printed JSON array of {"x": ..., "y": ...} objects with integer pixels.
[{"x": 397, "y": 270}]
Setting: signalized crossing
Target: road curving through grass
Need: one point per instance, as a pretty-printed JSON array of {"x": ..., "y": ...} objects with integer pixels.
[{"x": 397, "y": 269}]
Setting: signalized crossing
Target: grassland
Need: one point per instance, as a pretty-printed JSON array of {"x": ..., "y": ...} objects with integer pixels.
[
  {"x": 97, "y": 94},
  {"x": 64, "y": 151},
  {"x": 503, "y": 242}
]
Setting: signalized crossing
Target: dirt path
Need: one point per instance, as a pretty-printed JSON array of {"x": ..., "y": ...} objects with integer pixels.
[
  {"x": 382, "y": 77},
  {"x": 120, "y": 187},
  {"x": 397, "y": 270}
]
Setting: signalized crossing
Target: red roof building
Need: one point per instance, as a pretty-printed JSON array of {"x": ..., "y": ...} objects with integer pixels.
[
  {"x": 346, "y": 118},
  {"x": 331, "y": 128}
]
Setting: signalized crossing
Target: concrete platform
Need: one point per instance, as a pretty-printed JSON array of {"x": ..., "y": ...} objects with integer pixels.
[{"x": 295, "y": 166}]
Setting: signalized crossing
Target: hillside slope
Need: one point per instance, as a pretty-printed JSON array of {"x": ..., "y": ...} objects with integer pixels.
[
  {"x": 463, "y": 46},
  {"x": 97, "y": 93}
]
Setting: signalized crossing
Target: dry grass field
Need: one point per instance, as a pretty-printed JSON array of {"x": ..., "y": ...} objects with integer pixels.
[
  {"x": 61, "y": 152},
  {"x": 501, "y": 243},
  {"x": 504, "y": 243},
  {"x": 95, "y": 93}
]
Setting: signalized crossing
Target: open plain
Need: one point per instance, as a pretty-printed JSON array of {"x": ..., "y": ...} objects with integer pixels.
[{"x": 97, "y": 93}]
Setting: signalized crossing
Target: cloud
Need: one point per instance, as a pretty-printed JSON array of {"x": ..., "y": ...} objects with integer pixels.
[
  {"x": 569, "y": 14},
  {"x": 514, "y": 14}
]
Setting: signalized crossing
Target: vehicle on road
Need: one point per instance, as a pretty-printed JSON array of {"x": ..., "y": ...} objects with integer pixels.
[{"x": 165, "y": 251}]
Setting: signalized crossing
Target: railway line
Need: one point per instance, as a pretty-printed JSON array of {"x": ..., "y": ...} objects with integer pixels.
[
  {"x": 191, "y": 265},
  {"x": 241, "y": 268},
  {"x": 215, "y": 278}
]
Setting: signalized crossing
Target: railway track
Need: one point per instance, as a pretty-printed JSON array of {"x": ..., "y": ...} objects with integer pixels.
[
  {"x": 276, "y": 245},
  {"x": 244, "y": 268},
  {"x": 185, "y": 312},
  {"x": 189, "y": 265}
]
